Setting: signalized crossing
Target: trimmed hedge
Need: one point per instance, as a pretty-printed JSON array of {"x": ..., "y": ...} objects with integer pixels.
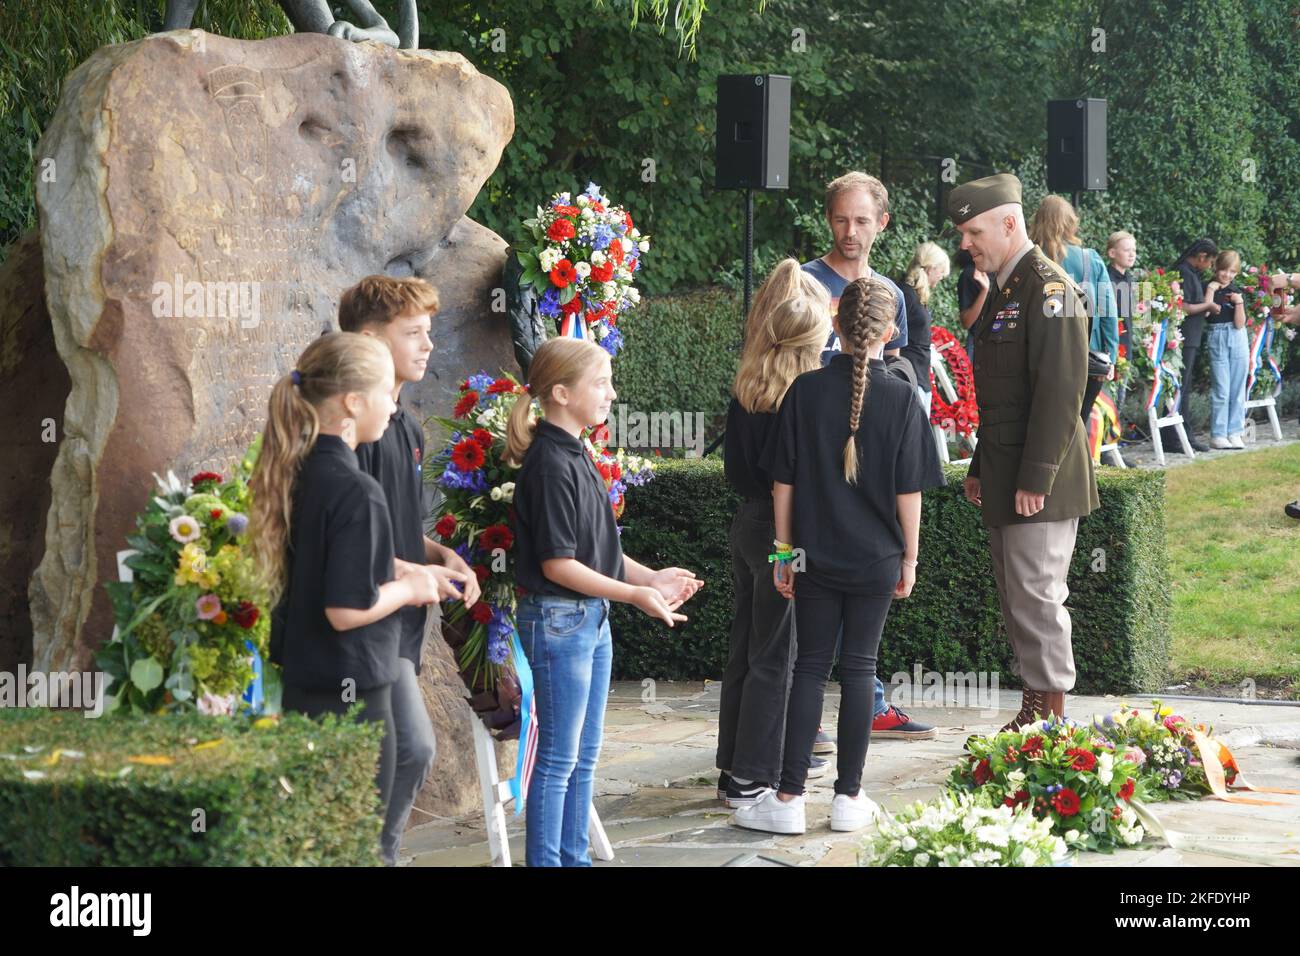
[
  {"x": 1119, "y": 594},
  {"x": 284, "y": 792}
]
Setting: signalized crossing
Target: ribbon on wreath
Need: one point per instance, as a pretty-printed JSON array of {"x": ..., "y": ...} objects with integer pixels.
[
  {"x": 1261, "y": 350},
  {"x": 528, "y": 729},
  {"x": 1156, "y": 352},
  {"x": 573, "y": 325}
]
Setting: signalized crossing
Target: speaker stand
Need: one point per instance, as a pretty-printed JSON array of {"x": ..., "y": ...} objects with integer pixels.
[{"x": 749, "y": 251}]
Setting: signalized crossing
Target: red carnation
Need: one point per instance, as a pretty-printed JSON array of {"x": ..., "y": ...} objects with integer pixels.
[
  {"x": 216, "y": 513},
  {"x": 563, "y": 274},
  {"x": 1066, "y": 802},
  {"x": 617, "y": 469},
  {"x": 616, "y": 252},
  {"x": 481, "y": 572},
  {"x": 501, "y": 386},
  {"x": 496, "y": 536},
  {"x": 605, "y": 471},
  {"x": 468, "y": 455},
  {"x": 205, "y": 476},
  {"x": 1083, "y": 759},
  {"x": 445, "y": 527},
  {"x": 560, "y": 230},
  {"x": 483, "y": 437},
  {"x": 573, "y": 306},
  {"x": 246, "y": 615},
  {"x": 982, "y": 773},
  {"x": 1126, "y": 791},
  {"x": 603, "y": 272},
  {"x": 627, "y": 218},
  {"x": 567, "y": 210},
  {"x": 481, "y": 612},
  {"x": 464, "y": 386},
  {"x": 465, "y": 405}
]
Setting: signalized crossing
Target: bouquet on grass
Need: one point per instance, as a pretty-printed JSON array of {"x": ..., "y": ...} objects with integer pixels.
[
  {"x": 963, "y": 830},
  {"x": 192, "y": 626},
  {"x": 1060, "y": 772},
  {"x": 477, "y": 517},
  {"x": 579, "y": 256}
]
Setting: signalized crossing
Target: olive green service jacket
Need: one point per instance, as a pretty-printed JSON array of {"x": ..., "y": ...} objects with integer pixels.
[{"x": 1031, "y": 365}]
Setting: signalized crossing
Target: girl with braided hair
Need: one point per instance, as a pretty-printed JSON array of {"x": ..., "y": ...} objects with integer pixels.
[{"x": 849, "y": 456}]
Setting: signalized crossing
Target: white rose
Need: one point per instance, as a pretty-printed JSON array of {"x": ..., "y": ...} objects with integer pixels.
[
  {"x": 1071, "y": 836},
  {"x": 644, "y": 245},
  {"x": 909, "y": 844},
  {"x": 496, "y": 494},
  {"x": 583, "y": 200},
  {"x": 921, "y": 859},
  {"x": 547, "y": 260},
  {"x": 634, "y": 294},
  {"x": 583, "y": 269},
  {"x": 484, "y": 419},
  {"x": 597, "y": 258},
  {"x": 635, "y": 233},
  {"x": 588, "y": 213}
]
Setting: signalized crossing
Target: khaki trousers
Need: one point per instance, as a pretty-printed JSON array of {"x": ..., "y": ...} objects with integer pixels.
[{"x": 1030, "y": 562}]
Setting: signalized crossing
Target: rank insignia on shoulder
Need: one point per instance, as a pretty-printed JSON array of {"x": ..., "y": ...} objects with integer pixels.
[
  {"x": 1053, "y": 288},
  {"x": 1054, "y": 305}
]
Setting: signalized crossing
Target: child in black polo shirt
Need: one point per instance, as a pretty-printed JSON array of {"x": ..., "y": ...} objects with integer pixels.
[
  {"x": 321, "y": 537},
  {"x": 399, "y": 312},
  {"x": 569, "y": 566},
  {"x": 784, "y": 337},
  {"x": 849, "y": 456}
]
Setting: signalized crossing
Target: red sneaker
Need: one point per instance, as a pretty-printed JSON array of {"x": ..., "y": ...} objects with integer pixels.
[{"x": 892, "y": 724}]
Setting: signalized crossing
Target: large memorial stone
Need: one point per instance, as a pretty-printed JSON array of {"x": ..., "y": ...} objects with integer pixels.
[{"x": 203, "y": 203}]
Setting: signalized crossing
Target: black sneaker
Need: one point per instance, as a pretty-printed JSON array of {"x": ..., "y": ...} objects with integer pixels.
[
  {"x": 724, "y": 781},
  {"x": 818, "y": 768},
  {"x": 824, "y": 743},
  {"x": 745, "y": 795}
]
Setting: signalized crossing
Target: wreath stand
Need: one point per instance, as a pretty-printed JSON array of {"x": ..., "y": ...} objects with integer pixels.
[
  {"x": 1270, "y": 404},
  {"x": 497, "y": 796},
  {"x": 943, "y": 381},
  {"x": 1156, "y": 422}
]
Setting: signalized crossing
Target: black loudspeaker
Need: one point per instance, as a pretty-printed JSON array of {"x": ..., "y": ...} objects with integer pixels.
[
  {"x": 1076, "y": 145},
  {"x": 753, "y": 132}
]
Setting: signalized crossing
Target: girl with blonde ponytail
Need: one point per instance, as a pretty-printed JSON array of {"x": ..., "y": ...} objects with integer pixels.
[
  {"x": 569, "y": 566},
  {"x": 849, "y": 455},
  {"x": 785, "y": 333},
  {"x": 322, "y": 540}
]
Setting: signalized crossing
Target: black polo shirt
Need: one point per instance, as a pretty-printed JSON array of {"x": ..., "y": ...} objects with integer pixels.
[
  {"x": 1193, "y": 290},
  {"x": 340, "y": 552},
  {"x": 395, "y": 462},
  {"x": 917, "y": 349},
  {"x": 742, "y": 449},
  {"x": 562, "y": 511},
  {"x": 1227, "y": 309},
  {"x": 850, "y": 533}
]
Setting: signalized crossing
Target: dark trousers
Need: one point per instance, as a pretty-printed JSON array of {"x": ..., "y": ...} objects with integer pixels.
[
  {"x": 820, "y": 612},
  {"x": 1189, "y": 368},
  {"x": 756, "y": 683},
  {"x": 379, "y": 708}
]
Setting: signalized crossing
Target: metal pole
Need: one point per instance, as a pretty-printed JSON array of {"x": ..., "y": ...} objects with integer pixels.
[{"x": 749, "y": 250}]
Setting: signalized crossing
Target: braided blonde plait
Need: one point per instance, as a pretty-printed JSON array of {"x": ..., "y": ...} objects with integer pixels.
[{"x": 867, "y": 309}]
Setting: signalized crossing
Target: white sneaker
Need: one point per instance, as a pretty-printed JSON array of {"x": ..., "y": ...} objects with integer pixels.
[
  {"x": 1237, "y": 442},
  {"x": 853, "y": 813},
  {"x": 1217, "y": 442},
  {"x": 772, "y": 815}
]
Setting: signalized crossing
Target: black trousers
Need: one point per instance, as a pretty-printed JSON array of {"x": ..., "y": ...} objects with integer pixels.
[
  {"x": 756, "y": 683},
  {"x": 379, "y": 708},
  {"x": 820, "y": 612}
]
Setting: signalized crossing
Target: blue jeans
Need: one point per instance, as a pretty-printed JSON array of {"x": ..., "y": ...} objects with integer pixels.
[
  {"x": 1228, "y": 357},
  {"x": 569, "y": 649}
]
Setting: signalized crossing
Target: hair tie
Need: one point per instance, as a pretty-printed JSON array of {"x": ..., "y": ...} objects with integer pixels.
[
  {"x": 296, "y": 377},
  {"x": 775, "y": 346}
]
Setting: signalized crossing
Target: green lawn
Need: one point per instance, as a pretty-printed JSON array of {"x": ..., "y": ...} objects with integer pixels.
[{"x": 1235, "y": 566}]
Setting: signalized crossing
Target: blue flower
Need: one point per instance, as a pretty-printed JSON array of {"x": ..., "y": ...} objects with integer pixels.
[
  {"x": 592, "y": 192},
  {"x": 237, "y": 524},
  {"x": 602, "y": 236},
  {"x": 497, "y": 650},
  {"x": 550, "y": 303},
  {"x": 480, "y": 382},
  {"x": 612, "y": 342}
]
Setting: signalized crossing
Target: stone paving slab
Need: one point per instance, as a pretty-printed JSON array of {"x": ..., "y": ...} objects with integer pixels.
[{"x": 656, "y": 782}]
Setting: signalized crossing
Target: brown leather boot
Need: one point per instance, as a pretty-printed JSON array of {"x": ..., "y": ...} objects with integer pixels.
[{"x": 1031, "y": 703}]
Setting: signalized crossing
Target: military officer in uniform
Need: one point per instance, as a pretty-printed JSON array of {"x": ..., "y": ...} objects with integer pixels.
[{"x": 1031, "y": 475}]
